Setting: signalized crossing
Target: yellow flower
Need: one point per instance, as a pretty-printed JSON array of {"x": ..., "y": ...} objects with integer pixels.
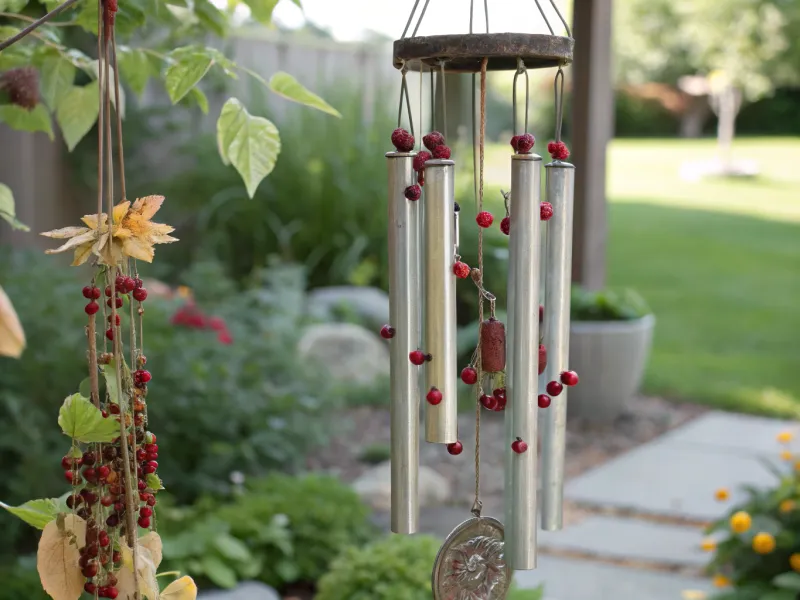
[
  {"x": 721, "y": 581},
  {"x": 794, "y": 562},
  {"x": 786, "y": 455},
  {"x": 763, "y": 543},
  {"x": 786, "y": 506},
  {"x": 180, "y": 589},
  {"x": 784, "y": 437},
  {"x": 133, "y": 235},
  {"x": 797, "y": 466},
  {"x": 708, "y": 545},
  {"x": 722, "y": 494},
  {"x": 740, "y": 522},
  {"x": 184, "y": 291}
]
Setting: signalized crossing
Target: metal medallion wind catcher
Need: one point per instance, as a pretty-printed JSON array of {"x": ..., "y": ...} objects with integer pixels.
[{"x": 518, "y": 367}]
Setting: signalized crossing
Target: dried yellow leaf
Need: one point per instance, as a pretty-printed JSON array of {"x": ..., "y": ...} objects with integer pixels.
[
  {"x": 12, "y": 337},
  {"x": 147, "y": 560},
  {"x": 58, "y": 556},
  {"x": 181, "y": 589}
]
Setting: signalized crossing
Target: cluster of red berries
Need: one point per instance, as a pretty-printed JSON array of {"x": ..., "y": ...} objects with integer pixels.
[
  {"x": 461, "y": 269},
  {"x": 523, "y": 144},
  {"x": 496, "y": 402},
  {"x": 558, "y": 150},
  {"x": 545, "y": 214},
  {"x": 568, "y": 378},
  {"x": 122, "y": 285},
  {"x": 189, "y": 315},
  {"x": 418, "y": 357}
]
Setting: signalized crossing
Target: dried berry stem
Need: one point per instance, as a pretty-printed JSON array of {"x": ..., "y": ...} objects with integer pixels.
[
  {"x": 36, "y": 24},
  {"x": 91, "y": 334}
]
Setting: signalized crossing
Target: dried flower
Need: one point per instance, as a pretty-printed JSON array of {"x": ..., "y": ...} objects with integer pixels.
[{"x": 22, "y": 86}]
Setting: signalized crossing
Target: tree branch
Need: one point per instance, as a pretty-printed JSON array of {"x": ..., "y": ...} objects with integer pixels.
[{"x": 37, "y": 23}]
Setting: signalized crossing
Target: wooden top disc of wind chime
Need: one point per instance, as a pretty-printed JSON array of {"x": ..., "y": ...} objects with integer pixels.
[{"x": 463, "y": 53}]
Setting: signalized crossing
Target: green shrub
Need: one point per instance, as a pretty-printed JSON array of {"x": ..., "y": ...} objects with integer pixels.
[
  {"x": 323, "y": 516},
  {"x": 250, "y": 406},
  {"x": 21, "y": 581},
  {"x": 607, "y": 305},
  {"x": 395, "y": 568}
]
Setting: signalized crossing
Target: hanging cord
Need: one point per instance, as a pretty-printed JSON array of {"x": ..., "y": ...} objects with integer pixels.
[
  {"x": 560, "y": 16},
  {"x": 404, "y": 93},
  {"x": 558, "y": 92},
  {"x": 118, "y": 113},
  {"x": 444, "y": 99},
  {"x": 544, "y": 16},
  {"x": 521, "y": 70},
  {"x": 421, "y": 16},
  {"x": 478, "y": 278},
  {"x": 411, "y": 18},
  {"x": 433, "y": 100}
]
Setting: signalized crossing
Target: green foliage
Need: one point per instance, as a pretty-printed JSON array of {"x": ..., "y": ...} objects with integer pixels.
[
  {"x": 607, "y": 305},
  {"x": 394, "y": 568},
  {"x": 375, "y": 454},
  {"x": 37, "y": 513},
  {"x": 323, "y": 516},
  {"x": 250, "y": 406},
  {"x": 7, "y": 209},
  {"x": 83, "y": 422},
  {"x": 774, "y": 510},
  {"x": 21, "y": 581},
  {"x": 170, "y": 29},
  {"x": 635, "y": 117}
]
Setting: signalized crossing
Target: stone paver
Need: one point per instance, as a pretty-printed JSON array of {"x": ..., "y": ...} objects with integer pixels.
[
  {"x": 583, "y": 580},
  {"x": 632, "y": 539},
  {"x": 669, "y": 477},
  {"x": 730, "y": 432},
  {"x": 248, "y": 590}
]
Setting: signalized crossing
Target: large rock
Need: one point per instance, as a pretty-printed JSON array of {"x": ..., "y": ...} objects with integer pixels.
[
  {"x": 370, "y": 305},
  {"x": 374, "y": 487},
  {"x": 350, "y": 352},
  {"x": 248, "y": 590}
]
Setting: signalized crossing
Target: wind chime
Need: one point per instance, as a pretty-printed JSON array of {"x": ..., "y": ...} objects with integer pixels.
[{"x": 517, "y": 368}]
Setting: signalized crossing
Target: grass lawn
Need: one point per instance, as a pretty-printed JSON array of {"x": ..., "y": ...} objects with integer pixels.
[{"x": 718, "y": 261}]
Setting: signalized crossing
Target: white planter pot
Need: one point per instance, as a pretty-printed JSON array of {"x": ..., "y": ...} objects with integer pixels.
[{"x": 610, "y": 358}]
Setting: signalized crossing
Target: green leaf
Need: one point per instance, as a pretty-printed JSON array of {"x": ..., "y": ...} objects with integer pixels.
[
  {"x": 93, "y": 69},
  {"x": 129, "y": 18},
  {"x": 788, "y": 581},
  {"x": 210, "y": 16},
  {"x": 153, "y": 481},
  {"x": 136, "y": 68},
  {"x": 287, "y": 86},
  {"x": 23, "y": 119},
  {"x": 200, "y": 98},
  {"x": 185, "y": 73},
  {"x": 37, "y": 513},
  {"x": 251, "y": 144},
  {"x": 779, "y": 595},
  {"x": 110, "y": 376},
  {"x": 262, "y": 9},
  {"x": 82, "y": 421},
  {"x": 57, "y": 75},
  {"x": 218, "y": 572},
  {"x": 232, "y": 548},
  {"x": 12, "y": 6},
  {"x": 77, "y": 112},
  {"x": 7, "y": 210},
  {"x": 85, "y": 388}
]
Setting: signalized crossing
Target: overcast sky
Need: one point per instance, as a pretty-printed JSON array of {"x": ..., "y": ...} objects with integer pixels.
[{"x": 349, "y": 20}]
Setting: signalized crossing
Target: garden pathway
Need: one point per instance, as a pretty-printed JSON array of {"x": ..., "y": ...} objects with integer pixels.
[{"x": 636, "y": 520}]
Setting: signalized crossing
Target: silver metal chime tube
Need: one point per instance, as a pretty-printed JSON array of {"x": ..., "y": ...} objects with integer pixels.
[
  {"x": 439, "y": 313},
  {"x": 404, "y": 310},
  {"x": 560, "y": 186},
  {"x": 522, "y": 362}
]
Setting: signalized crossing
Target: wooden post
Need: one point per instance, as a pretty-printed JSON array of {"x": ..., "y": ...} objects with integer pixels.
[{"x": 592, "y": 126}]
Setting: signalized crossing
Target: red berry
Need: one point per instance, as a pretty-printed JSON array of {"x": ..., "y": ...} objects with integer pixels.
[
  {"x": 91, "y": 568},
  {"x": 103, "y": 471},
  {"x": 417, "y": 357},
  {"x": 421, "y": 178},
  {"x": 501, "y": 403},
  {"x": 569, "y": 378},
  {"x": 558, "y": 150},
  {"x": 96, "y": 293},
  {"x": 150, "y": 438},
  {"x": 387, "y": 332},
  {"x": 554, "y": 388},
  {"x": 441, "y": 152},
  {"x": 90, "y": 475},
  {"x": 142, "y": 485},
  {"x": 116, "y": 556},
  {"x": 66, "y": 462},
  {"x": 484, "y": 219},
  {"x": 73, "y": 500},
  {"x": 119, "y": 283},
  {"x": 109, "y": 291},
  {"x": 137, "y": 283},
  {"x": 519, "y": 446},
  {"x": 544, "y": 400},
  {"x": 112, "y": 592},
  {"x": 145, "y": 511},
  {"x": 129, "y": 284},
  {"x": 515, "y": 143},
  {"x": 91, "y": 308},
  {"x": 413, "y": 192},
  {"x": 542, "y": 358},
  {"x": 505, "y": 225},
  {"x": 434, "y": 396},
  {"x": 114, "y": 409},
  {"x": 87, "y": 292},
  {"x": 144, "y": 522},
  {"x": 402, "y": 140},
  {"x": 103, "y": 539},
  {"x": 118, "y": 302},
  {"x": 104, "y": 413},
  {"x": 151, "y": 447},
  {"x": 469, "y": 375},
  {"x": 140, "y": 294},
  {"x": 141, "y": 454},
  {"x": 89, "y": 587},
  {"x": 541, "y": 313},
  {"x": 144, "y": 376},
  {"x": 433, "y": 140},
  {"x": 545, "y": 211},
  {"x": 152, "y": 465},
  {"x": 107, "y": 501},
  {"x": 455, "y": 448},
  {"x": 118, "y": 320},
  {"x": 420, "y": 159},
  {"x": 88, "y": 459},
  {"x": 461, "y": 270},
  {"x": 69, "y": 476},
  {"x": 151, "y": 501},
  {"x": 525, "y": 143},
  {"x": 119, "y": 507},
  {"x": 489, "y": 402}
]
